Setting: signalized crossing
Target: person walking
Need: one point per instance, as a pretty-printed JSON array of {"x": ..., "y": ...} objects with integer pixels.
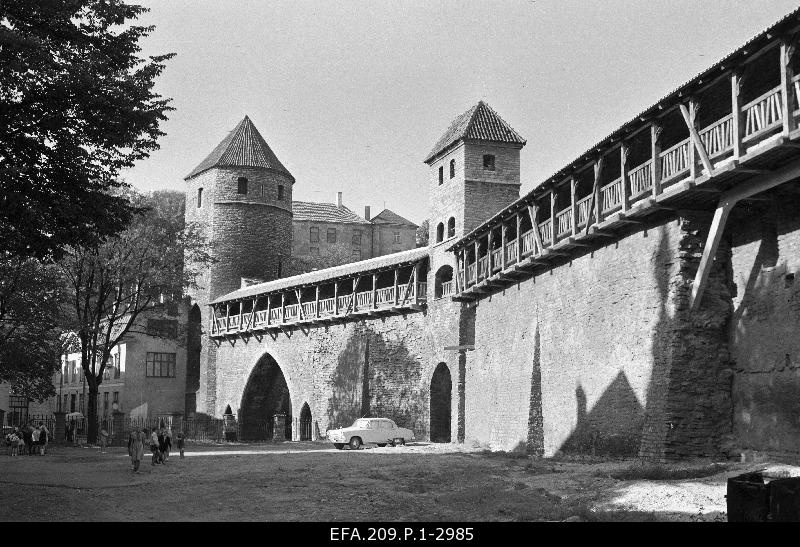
[
  {"x": 103, "y": 440},
  {"x": 27, "y": 434},
  {"x": 21, "y": 443},
  {"x": 162, "y": 447},
  {"x": 44, "y": 438},
  {"x": 181, "y": 440},
  {"x": 167, "y": 443},
  {"x": 136, "y": 448},
  {"x": 154, "y": 448}
]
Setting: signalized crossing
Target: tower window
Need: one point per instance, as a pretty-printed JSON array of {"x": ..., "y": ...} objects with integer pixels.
[
  {"x": 356, "y": 256},
  {"x": 280, "y": 192},
  {"x": 397, "y": 237},
  {"x": 331, "y": 235},
  {"x": 441, "y": 174},
  {"x": 451, "y": 227},
  {"x": 242, "y": 189},
  {"x": 488, "y": 162},
  {"x": 439, "y": 232},
  {"x": 357, "y": 237},
  {"x": 313, "y": 234},
  {"x": 452, "y": 168},
  {"x": 199, "y": 197}
]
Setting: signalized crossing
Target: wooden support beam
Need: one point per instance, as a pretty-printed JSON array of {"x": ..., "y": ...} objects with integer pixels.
[
  {"x": 317, "y": 302},
  {"x": 477, "y": 263},
  {"x": 503, "y": 240},
  {"x": 787, "y": 91},
  {"x": 519, "y": 237},
  {"x": 623, "y": 173},
  {"x": 694, "y": 136},
  {"x": 283, "y": 307},
  {"x": 572, "y": 187},
  {"x": 374, "y": 291},
  {"x": 598, "y": 172},
  {"x": 269, "y": 308},
  {"x": 552, "y": 217},
  {"x": 300, "y": 314},
  {"x": 417, "y": 270},
  {"x": 489, "y": 265},
  {"x": 736, "y": 113},
  {"x": 726, "y": 203},
  {"x": 396, "y": 274},
  {"x": 533, "y": 211},
  {"x": 655, "y": 153},
  {"x": 335, "y": 298}
]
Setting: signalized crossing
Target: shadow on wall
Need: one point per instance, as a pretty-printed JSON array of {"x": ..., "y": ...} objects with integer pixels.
[
  {"x": 766, "y": 330},
  {"x": 614, "y": 425},
  {"x": 535, "y": 440},
  {"x": 378, "y": 378}
]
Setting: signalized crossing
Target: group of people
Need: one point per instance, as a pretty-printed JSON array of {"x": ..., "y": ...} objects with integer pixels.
[
  {"x": 28, "y": 438},
  {"x": 160, "y": 443}
]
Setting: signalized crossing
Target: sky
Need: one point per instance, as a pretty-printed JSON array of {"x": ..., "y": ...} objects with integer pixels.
[{"x": 351, "y": 96}]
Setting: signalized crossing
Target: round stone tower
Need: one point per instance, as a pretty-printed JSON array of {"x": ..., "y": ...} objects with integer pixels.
[{"x": 240, "y": 199}]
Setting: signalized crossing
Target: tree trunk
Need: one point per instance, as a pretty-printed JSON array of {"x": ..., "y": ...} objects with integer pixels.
[{"x": 91, "y": 414}]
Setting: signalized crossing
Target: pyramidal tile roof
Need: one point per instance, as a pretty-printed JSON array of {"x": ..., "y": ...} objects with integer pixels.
[
  {"x": 480, "y": 123},
  {"x": 390, "y": 217},
  {"x": 243, "y": 147},
  {"x": 325, "y": 212}
]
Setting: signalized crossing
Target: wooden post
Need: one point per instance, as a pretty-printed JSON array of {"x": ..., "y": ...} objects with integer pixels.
[
  {"x": 227, "y": 316},
  {"x": 396, "y": 274},
  {"x": 519, "y": 237},
  {"x": 552, "y": 217},
  {"x": 789, "y": 123},
  {"x": 354, "y": 301},
  {"x": 598, "y": 172},
  {"x": 374, "y": 290},
  {"x": 489, "y": 265},
  {"x": 736, "y": 112},
  {"x": 417, "y": 268},
  {"x": 573, "y": 201},
  {"x": 655, "y": 151},
  {"x": 300, "y": 314},
  {"x": 317, "y": 305},
  {"x": 692, "y": 149},
  {"x": 477, "y": 256},
  {"x": 457, "y": 281},
  {"x": 269, "y": 307},
  {"x": 503, "y": 240},
  {"x": 283, "y": 307},
  {"x": 533, "y": 211},
  {"x": 335, "y": 298},
  {"x": 623, "y": 173}
]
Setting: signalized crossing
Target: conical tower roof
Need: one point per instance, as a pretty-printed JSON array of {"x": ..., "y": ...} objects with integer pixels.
[
  {"x": 243, "y": 147},
  {"x": 479, "y": 123}
]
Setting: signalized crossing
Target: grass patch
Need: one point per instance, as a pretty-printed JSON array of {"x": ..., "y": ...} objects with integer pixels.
[{"x": 665, "y": 472}]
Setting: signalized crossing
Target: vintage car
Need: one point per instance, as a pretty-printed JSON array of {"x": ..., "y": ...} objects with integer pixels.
[{"x": 380, "y": 431}]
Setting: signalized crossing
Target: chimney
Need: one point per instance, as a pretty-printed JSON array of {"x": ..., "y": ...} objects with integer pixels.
[
  {"x": 339, "y": 199},
  {"x": 366, "y": 212}
]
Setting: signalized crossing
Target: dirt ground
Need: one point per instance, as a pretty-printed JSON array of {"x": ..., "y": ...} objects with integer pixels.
[{"x": 315, "y": 482}]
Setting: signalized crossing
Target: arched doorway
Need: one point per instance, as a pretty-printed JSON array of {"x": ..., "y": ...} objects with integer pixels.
[
  {"x": 265, "y": 395},
  {"x": 441, "y": 398},
  {"x": 443, "y": 283},
  {"x": 305, "y": 423}
]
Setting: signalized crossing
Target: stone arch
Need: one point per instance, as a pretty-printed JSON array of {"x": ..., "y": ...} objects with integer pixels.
[
  {"x": 305, "y": 423},
  {"x": 266, "y": 395},
  {"x": 441, "y": 404},
  {"x": 444, "y": 275}
]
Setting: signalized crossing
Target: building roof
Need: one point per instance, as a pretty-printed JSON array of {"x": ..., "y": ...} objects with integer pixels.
[
  {"x": 388, "y": 216},
  {"x": 730, "y": 61},
  {"x": 325, "y": 212},
  {"x": 328, "y": 274},
  {"x": 480, "y": 123},
  {"x": 243, "y": 147}
]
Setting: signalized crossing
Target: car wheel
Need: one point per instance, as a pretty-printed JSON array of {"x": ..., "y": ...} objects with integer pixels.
[
  {"x": 399, "y": 442},
  {"x": 381, "y": 444},
  {"x": 338, "y": 446},
  {"x": 355, "y": 443}
]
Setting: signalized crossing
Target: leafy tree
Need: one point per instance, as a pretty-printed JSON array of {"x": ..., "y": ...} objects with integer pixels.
[
  {"x": 115, "y": 285},
  {"x": 76, "y": 107},
  {"x": 422, "y": 234},
  {"x": 30, "y": 343}
]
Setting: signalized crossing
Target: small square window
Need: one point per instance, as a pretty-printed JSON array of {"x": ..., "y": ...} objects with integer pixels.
[
  {"x": 357, "y": 237},
  {"x": 280, "y": 192},
  {"x": 488, "y": 162},
  {"x": 452, "y": 168},
  {"x": 331, "y": 235},
  {"x": 397, "y": 237},
  {"x": 199, "y": 197},
  {"x": 313, "y": 234},
  {"x": 441, "y": 174},
  {"x": 242, "y": 188}
]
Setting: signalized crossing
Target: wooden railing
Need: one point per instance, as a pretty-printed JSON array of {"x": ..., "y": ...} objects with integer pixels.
[
  {"x": 511, "y": 252},
  {"x": 497, "y": 259},
  {"x": 675, "y": 160},
  {"x": 471, "y": 273},
  {"x": 717, "y": 138},
  {"x": 528, "y": 243},
  {"x": 447, "y": 288},
  {"x": 564, "y": 222},
  {"x": 546, "y": 232},
  {"x": 483, "y": 267},
  {"x": 641, "y": 180},
  {"x": 611, "y": 196},
  {"x": 583, "y": 209},
  {"x": 762, "y": 114},
  {"x": 364, "y": 302}
]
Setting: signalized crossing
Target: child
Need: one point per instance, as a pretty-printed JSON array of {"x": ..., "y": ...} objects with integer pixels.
[
  {"x": 180, "y": 442},
  {"x": 13, "y": 441},
  {"x": 20, "y": 441}
]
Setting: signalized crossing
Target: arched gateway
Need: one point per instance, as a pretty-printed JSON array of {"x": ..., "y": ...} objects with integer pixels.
[
  {"x": 441, "y": 398},
  {"x": 265, "y": 395}
]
